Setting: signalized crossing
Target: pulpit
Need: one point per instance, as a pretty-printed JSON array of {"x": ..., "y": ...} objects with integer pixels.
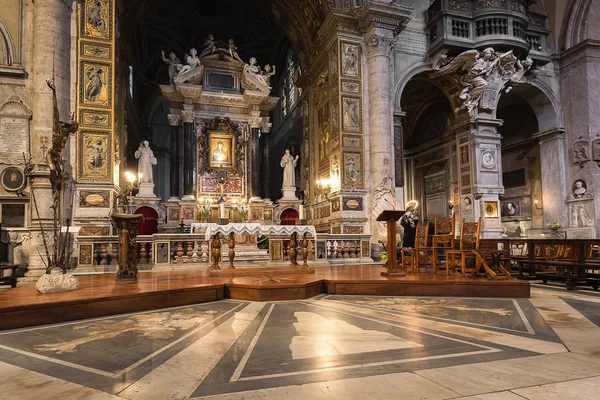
[
  {"x": 126, "y": 226},
  {"x": 390, "y": 217}
]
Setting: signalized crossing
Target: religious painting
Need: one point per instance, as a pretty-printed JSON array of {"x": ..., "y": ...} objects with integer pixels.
[
  {"x": 221, "y": 151},
  {"x": 352, "y": 165},
  {"x": 464, "y": 155},
  {"x": 13, "y": 179},
  {"x": 95, "y": 119},
  {"x": 95, "y": 50},
  {"x": 95, "y": 161},
  {"x": 350, "y": 64},
  {"x": 96, "y": 16},
  {"x": 96, "y": 84},
  {"x": 351, "y": 114},
  {"x": 351, "y": 142},
  {"x": 490, "y": 209}
]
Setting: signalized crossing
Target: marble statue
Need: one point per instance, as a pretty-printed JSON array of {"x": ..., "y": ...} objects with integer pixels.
[
  {"x": 174, "y": 65},
  {"x": 192, "y": 61},
  {"x": 16, "y": 240},
  {"x": 232, "y": 49},
  {"x": 210, "y": 46},
  {"x": 478, "y": 70},
  {"x": 288, "y": 163},
  {"x": 146, "y": 161},
  {"x": 580, "y": 216},
  {"x": 253, "y": 78},
  {"x": 579, "y": 189}
]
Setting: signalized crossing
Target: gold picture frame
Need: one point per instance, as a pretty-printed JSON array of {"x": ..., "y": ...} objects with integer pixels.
[
  {"x": 490, "y": 209},
  {"x": 221, "y": 150}
]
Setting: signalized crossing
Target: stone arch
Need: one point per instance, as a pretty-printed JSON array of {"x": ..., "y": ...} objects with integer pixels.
[
  {"x": 161, "y": 211},
  {"x": 7, "y": 46},
  {"x": 542, "y": 101},
  {"x": 578, "y": 28}
]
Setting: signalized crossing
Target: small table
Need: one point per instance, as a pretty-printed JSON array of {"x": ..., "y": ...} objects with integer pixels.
[{"x": 12, "y": 279}]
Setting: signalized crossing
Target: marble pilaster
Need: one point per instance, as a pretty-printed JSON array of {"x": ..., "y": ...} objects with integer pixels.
[
  {"x": 189, "y": 155},
  {"x": 175, "y": 124},
  {"x": 554, "y": 176}
]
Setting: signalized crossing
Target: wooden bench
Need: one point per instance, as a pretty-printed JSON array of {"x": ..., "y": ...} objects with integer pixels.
[{"x": 12, "y": 279}]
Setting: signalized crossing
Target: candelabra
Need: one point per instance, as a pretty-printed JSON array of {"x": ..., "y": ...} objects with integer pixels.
[{"x": 131, "y": 182}]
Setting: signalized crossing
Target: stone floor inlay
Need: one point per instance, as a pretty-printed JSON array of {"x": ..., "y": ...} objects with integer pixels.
[{"x": 350, "y": 347}]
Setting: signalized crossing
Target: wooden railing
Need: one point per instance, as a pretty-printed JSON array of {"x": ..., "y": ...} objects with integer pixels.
[{"x": 573, "y": 261}]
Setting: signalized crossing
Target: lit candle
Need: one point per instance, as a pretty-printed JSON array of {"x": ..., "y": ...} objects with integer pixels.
[
  {"x": 222, "y": 209},
  {"x": 301, "y": 211}
]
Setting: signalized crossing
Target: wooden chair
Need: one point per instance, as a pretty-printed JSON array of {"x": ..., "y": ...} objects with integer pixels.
[
  {"x": 442, "y": 241},
  {"x": 419, "y": 256},
  {"x": 467, "y": 256}
]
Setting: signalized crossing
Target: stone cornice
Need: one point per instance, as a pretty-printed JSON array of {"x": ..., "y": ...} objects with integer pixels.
[
  {"x": 551, "y": 134},
  {"x": 380, "y": 14}
]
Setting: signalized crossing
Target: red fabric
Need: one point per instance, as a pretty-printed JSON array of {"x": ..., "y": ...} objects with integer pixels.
[
  {"x": 150, "y": 224},
  {"x": 289, "y": 217}
]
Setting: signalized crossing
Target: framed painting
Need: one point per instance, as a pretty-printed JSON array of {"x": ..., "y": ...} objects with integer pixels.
[{"x": 221, "y": 150}]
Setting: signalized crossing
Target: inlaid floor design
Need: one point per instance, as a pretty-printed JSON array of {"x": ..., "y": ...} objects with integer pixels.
[{"x": 328, "y": 347}]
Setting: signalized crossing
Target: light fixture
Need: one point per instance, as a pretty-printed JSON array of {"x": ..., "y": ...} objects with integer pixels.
[
  {"x": 412, "y": 205},
  {"x": 537, "y": 205},
  {"x": 450, "y": 205}
]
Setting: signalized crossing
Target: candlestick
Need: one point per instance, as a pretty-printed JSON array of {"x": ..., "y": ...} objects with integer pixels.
[
  {"x": 300, "y": 212},
  {"x": 222, "y": 210}
]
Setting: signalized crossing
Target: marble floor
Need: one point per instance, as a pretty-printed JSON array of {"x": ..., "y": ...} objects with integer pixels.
[{"x": 328, "y": 347}]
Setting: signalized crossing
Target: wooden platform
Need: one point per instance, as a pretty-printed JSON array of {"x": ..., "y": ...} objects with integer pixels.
[{"x": 101, "y": 295}]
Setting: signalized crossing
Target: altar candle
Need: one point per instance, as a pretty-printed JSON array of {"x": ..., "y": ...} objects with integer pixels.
[
  {"x": 301, "y": 212},
  {"x": 222, "y": 209}
]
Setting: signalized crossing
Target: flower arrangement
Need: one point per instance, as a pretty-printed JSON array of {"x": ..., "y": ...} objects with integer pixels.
[
  {"x": 553, "y": 227},
  {"x": 204, "y": 208},
  {"x": 242, "y": 209}
]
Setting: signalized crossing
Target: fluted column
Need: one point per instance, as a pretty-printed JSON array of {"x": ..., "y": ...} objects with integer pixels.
[
  {"x": 174, "y": 176},
  {"x": 379, "y": 46},
  {"x": 189, "y": 155},
  {"x": 255, "y": 185}
]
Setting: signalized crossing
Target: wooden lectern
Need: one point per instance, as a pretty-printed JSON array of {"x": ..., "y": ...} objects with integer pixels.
[{"x": 390, "y": 217}]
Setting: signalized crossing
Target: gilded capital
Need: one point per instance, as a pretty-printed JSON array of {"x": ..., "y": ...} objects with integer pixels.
[
  {"x": 188, "y": 116},
  {"x": 174, "y": 119}
]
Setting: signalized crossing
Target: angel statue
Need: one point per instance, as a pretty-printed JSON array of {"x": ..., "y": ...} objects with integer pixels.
[
  {"x": 174, "y": 65},
  {"x": 192, "y": 61},
  {"x": 477, "y": 66}
]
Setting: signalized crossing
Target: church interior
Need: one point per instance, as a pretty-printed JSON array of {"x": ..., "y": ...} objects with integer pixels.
[{"x": 299, "y": 199}]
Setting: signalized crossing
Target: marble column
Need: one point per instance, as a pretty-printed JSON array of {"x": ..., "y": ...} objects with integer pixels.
[
  {"x": 189, "y": 155},
  {"x": 379, "y": 45},
  {"x": 265, "y": 175},
  {"x": 553, "y": 156},
  {"x": 51, "y": 61},
  {"x": 175, "y": 148},
  {"x": 255, "y": 133}
]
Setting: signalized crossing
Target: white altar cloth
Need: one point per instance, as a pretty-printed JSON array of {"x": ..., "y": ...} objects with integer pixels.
[{"x": 252, "y": 228}]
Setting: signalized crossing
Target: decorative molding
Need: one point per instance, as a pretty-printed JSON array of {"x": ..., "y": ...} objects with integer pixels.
[
  {"x": 188, "y": 116},
  {"x": 174, "y": 119}
]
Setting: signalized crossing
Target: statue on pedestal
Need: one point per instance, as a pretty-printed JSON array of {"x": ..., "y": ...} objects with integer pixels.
[
  {"x": 146, "y": 160},
  {"x": 288, "y": 163}
]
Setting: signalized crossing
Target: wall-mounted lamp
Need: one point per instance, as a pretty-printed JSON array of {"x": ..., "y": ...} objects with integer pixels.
[
  {"x": 450, "y": 205},
  {"x": 537, "y": 205}
]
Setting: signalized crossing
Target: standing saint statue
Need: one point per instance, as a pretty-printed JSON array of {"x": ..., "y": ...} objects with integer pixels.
[
  {"x": 288, "y": 163},
  {"x": 146, "y": 161}
]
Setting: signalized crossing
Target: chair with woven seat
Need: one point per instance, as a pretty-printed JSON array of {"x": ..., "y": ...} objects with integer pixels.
[
  {"x": 419, "y": 256},
  {"x": 442, "y": 241},
  {"x": 466, "y": 257}
]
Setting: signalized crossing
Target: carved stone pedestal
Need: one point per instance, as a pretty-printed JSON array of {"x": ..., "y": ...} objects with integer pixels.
[{"x": 126, "y": 227}]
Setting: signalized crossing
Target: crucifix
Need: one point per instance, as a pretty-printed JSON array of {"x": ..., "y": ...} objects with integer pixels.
[{"x": 44, "y": 142}]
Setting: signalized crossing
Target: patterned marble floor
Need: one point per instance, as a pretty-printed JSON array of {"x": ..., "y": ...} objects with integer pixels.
[{"x": 329, "y": 347}]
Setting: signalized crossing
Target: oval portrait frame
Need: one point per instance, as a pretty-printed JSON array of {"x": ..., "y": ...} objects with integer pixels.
[{"x": 22, "y": 182}]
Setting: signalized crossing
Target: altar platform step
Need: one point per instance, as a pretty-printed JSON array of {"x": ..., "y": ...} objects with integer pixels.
[
  {"x": 101, "y": 295},
  {"x": 262, "y": 271}
]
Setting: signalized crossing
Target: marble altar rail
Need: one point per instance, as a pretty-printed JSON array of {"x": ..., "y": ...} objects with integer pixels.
[{"x": 190, "y": 251}]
